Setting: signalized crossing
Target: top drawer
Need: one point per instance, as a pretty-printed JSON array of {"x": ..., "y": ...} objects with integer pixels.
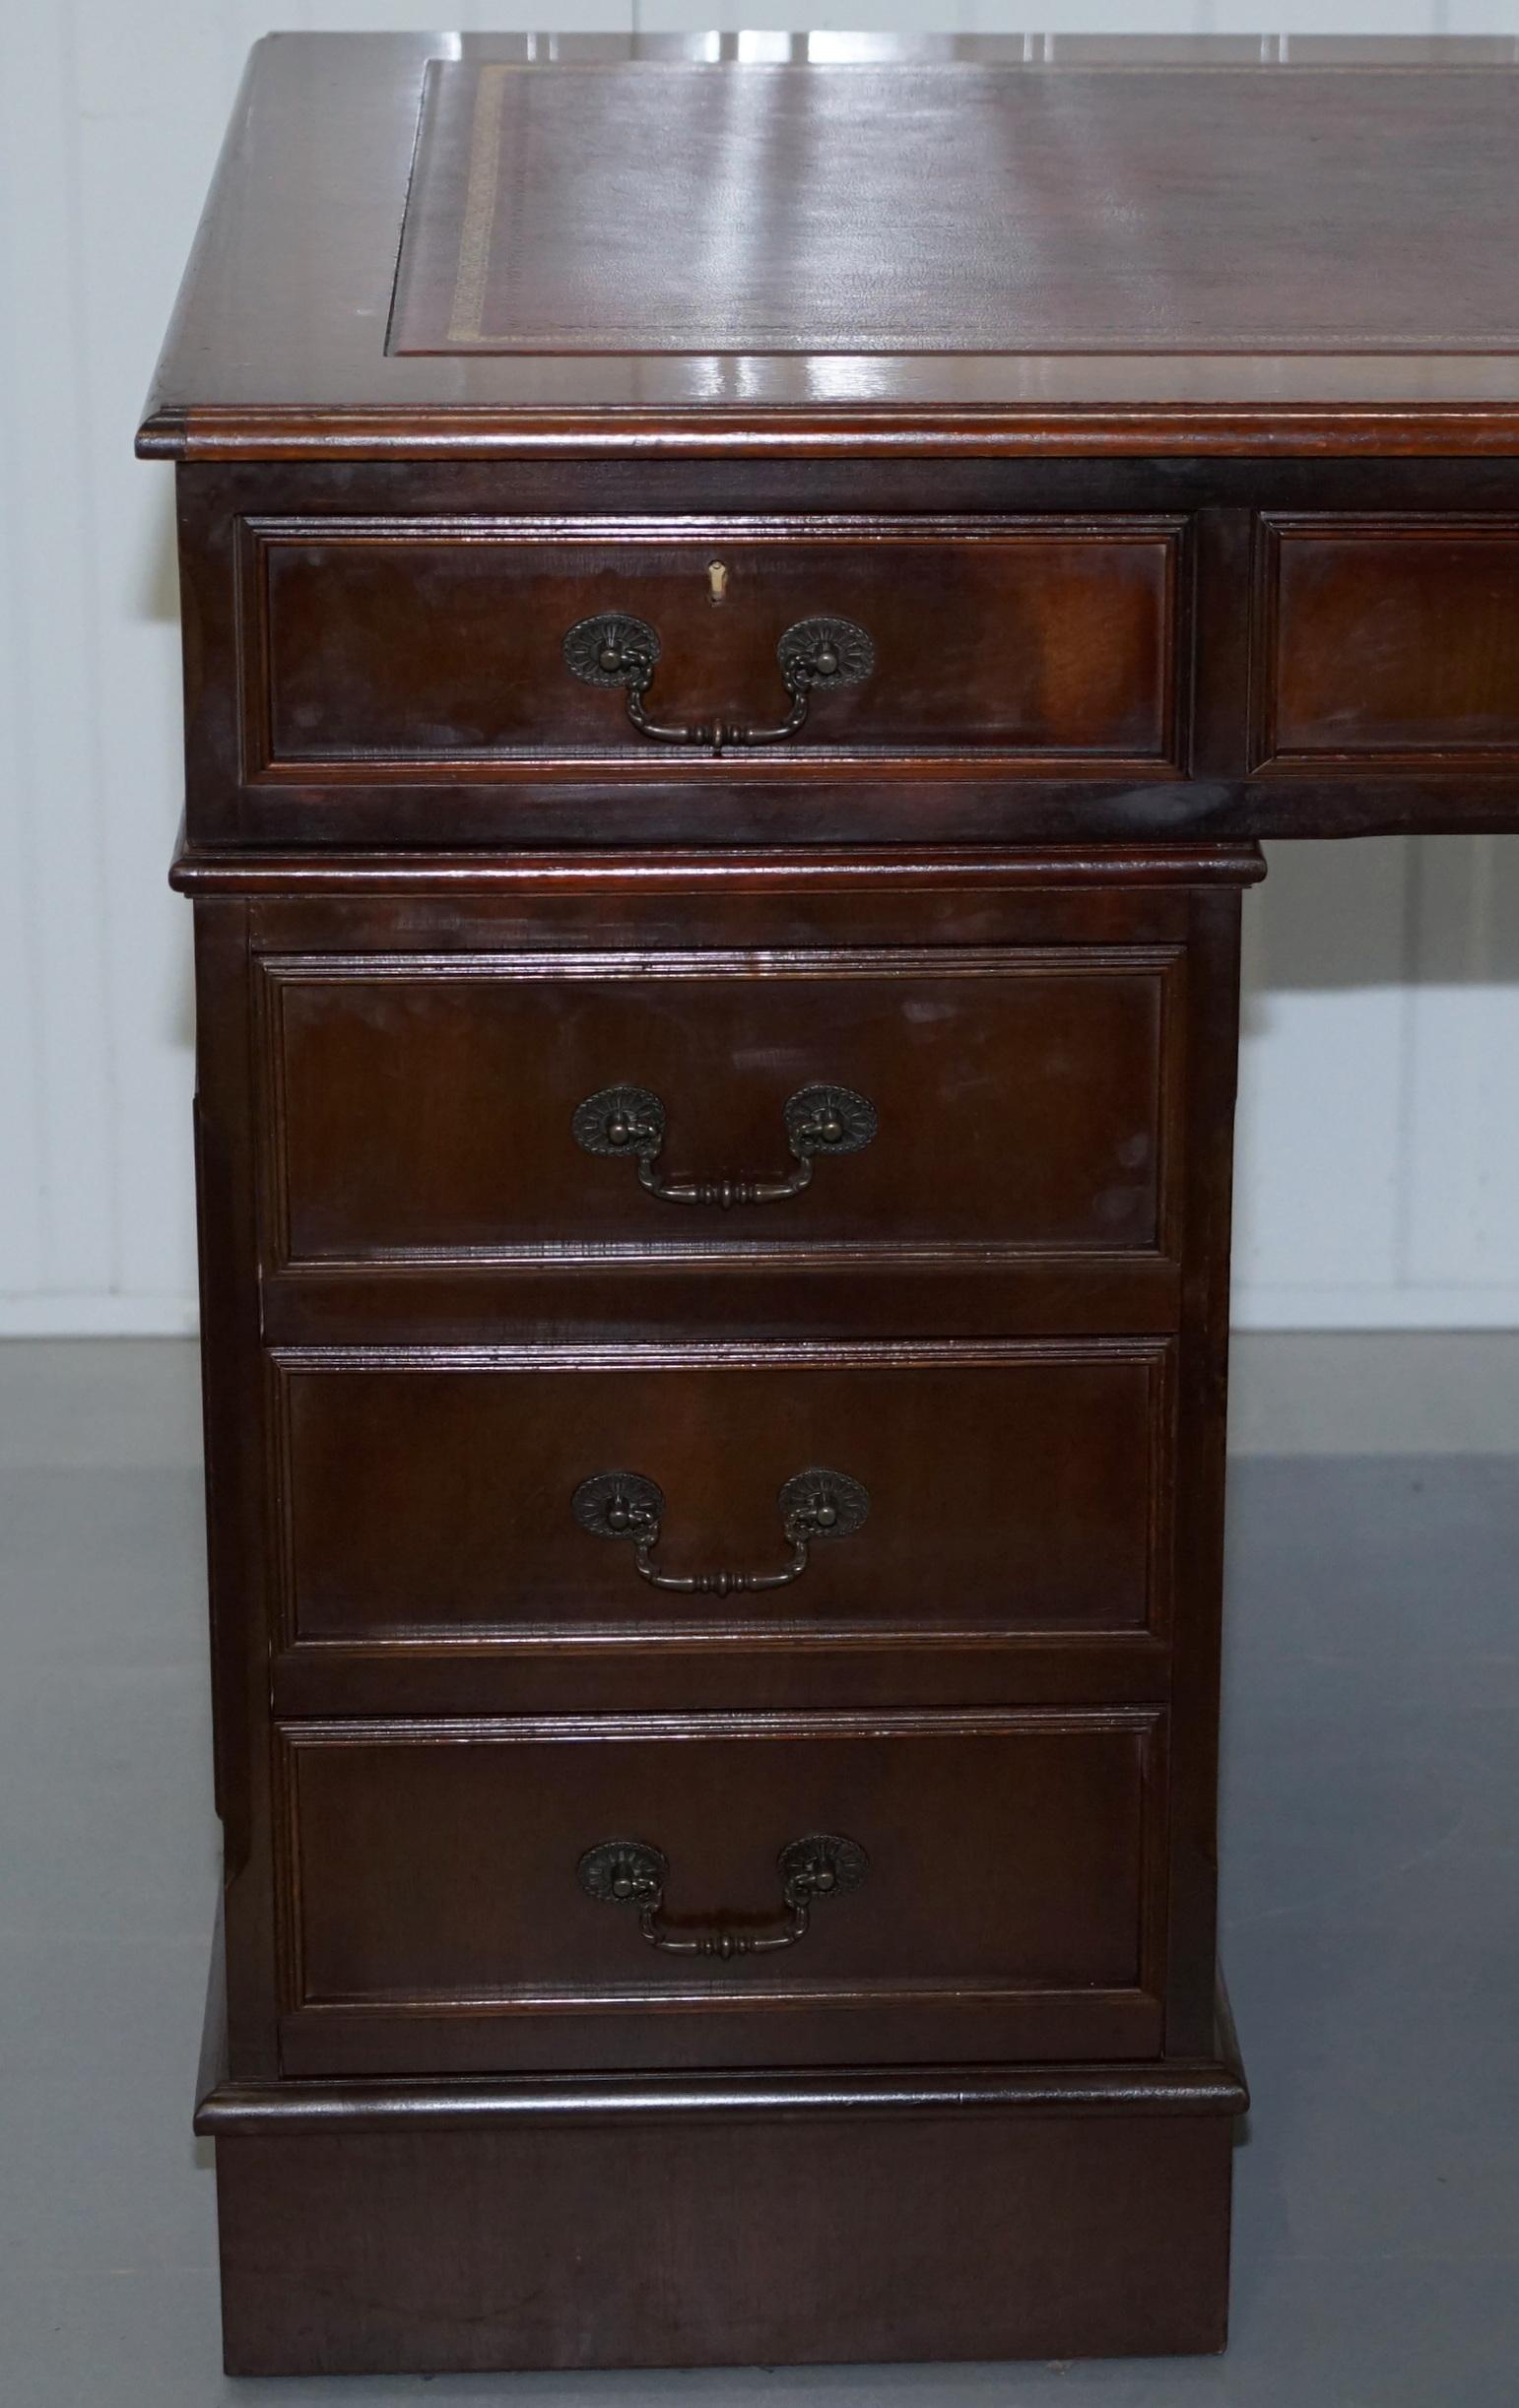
[
  {"x": 360, "y": 672},
  {"x": 1386, "y": 644},
  {"x": 400, "y": 648}
]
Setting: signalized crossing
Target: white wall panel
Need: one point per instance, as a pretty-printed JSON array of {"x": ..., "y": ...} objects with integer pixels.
[
  {"x": 49, "y": 550},
  {"x": 21, "y": 1164},
  {"x": 1379, "y": 1147},
  {"x": 1462, "y": 1219},
  {"x": 1322, "y": 1085}
]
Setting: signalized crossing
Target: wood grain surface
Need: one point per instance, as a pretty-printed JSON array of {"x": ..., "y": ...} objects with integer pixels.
[{"x": 1140, "y": 259}]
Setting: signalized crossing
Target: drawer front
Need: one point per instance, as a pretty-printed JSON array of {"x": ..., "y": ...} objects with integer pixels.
[
  {"x": 538, "y": 1107},
  {"x": 436, "y": 1501},
  {"x": 1388, "y": 641},
  {"x": 507, "y": 1892},
  {"x": 399, "y": 645}
]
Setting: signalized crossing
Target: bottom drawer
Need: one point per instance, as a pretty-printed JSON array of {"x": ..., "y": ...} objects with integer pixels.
[{"x": 705, "y": 1890}]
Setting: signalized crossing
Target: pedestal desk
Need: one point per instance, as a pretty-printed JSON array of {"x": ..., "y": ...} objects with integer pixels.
[{"x": 743, "y": 623}]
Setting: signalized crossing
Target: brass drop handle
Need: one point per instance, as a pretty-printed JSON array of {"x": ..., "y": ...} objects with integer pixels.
[
  {"x": 630, "y": 1872},
  {"x": 816, "y": 655},
  {"x": 629, "y": 1120},
  {"x": 813, "y": 1505}
]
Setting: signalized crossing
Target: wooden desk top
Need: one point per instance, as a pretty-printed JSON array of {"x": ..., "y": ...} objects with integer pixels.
[{"x": 1131, "y": 247}]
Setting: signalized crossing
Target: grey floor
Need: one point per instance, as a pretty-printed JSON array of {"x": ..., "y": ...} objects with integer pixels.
[{"x": 1370, "y": 1915}]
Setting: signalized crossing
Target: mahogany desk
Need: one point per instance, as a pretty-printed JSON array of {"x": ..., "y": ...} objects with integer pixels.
[{"x": 742, "y": 625}]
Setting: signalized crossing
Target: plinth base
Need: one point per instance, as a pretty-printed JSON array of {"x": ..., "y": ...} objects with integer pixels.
[{"x": 1051, "y": 2213}]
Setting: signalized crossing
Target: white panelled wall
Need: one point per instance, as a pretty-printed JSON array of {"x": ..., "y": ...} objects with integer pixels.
[{"x": 1379, "y": 1143}]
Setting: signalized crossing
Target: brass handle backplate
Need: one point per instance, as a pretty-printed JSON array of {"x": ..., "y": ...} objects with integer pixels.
[
  {"x": 629, "y": 1120},
  {"x": 815, "y": 656},
  {"x": 813, "y": 1505},
  {"x": 630, "y": 1872}
]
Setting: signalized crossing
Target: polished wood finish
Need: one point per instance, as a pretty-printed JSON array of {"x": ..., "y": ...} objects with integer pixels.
[
  {"x": 352, "y": 2242},
  {"x": 1162, "y": 544},
  {"x": 1092, "y": 659},
  {"x": 374, "y": 645},
  {"x": 1015, "y": 1488},
  {"x": 1014, "y": 1904},
  {"x": 413, "y": 1551},
  {"x": 416, "y": 1556},
  {"x": 1303, "y": 223},
  {"x": 420, "y": 1107},
  {"x": 1315, "y": 200},
  {"x": 874, "y": 888},
  {"x": 1388, "y": 641},
  {"x": 232, "y": 2107},
  {"x": 781, "y": 2241}
]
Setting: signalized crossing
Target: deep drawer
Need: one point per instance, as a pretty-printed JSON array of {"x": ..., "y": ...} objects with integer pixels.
[
  {"x": 376, "y": 646},
  {"x": 540, "y": 1893},
  {"x": 535, "y": 1106},
  {"x": 506, "y": 1498}
]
